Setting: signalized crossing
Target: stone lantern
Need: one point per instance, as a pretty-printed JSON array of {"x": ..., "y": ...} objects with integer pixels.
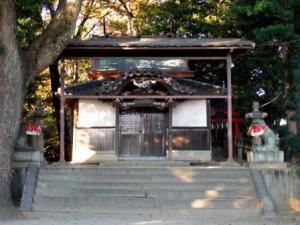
[
  {"x": 265, "y": 148},
  {"x": 32, "y": 153}
]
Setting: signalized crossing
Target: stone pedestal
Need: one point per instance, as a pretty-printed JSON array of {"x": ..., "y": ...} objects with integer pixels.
[{"x": 265, "y": 157}]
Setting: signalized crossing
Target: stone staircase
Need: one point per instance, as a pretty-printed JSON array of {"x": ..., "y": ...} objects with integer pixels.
[{"x": 155, "y": 190}]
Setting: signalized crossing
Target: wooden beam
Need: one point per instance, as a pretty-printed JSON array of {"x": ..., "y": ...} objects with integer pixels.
[
  {"x": 169, "y": 133},
  {"x": 146, "y": 97},
  {"x": 181, "y": 73},
  {"x": 229, "y": 108},
  {"x": 202, "y": 58},
  {"x": 151, "y": 48},
  {"x": 96, "y": 74}
]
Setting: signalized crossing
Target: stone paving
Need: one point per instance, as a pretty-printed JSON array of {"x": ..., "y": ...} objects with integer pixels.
[{"x": 127, "y": 220}]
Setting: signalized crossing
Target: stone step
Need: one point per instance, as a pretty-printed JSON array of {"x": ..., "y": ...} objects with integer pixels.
[
  {"x": 153, "y": 212},
  {"x": 197, "y": 186},
  {"x": 192, "y": 194},
  {"x": 90, "y": 192},
  {"x": 159, "y": 190},
  {"x": 141, "y": 171},
  {"x": 183, "y": 216},
  {"x": 151, "y": 193},
  {"x": 179, "y": 174},
  {"x": 145, "y": 163},
  {"x": 112, "y": 216},
  {"x": 124, "y": 163},
  {"x": 140, "y": 202},
  {"x": 142, "y": 178},
  {"x": 105, "y": 217}
]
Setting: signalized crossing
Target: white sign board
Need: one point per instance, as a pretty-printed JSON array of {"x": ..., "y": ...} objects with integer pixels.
[
  {"x": 95, "y": 113},
  {"x": 190, "y": 113}
]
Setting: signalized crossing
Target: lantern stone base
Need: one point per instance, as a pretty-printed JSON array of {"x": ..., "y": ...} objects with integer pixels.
[
  {"x": 265, "y": 157},
  {"x": 21, "y": 159}
]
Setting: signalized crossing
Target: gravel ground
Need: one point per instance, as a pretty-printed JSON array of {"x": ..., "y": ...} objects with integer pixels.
[
  {"x": 18, "y": 219},
  {"x": 10, "y": 215},
  {"x": 127, "y": 221}
]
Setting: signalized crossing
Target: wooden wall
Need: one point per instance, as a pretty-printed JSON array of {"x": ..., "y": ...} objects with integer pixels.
[
  {"x": 96, "y": 126},
  {"x": 190, "y": 129}
]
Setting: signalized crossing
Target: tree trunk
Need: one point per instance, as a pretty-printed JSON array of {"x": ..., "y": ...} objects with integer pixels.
[
  {"x": 55, "y": 84},
  {"x": 11, "y": 93},
  {"x": 16, "y": 72}
]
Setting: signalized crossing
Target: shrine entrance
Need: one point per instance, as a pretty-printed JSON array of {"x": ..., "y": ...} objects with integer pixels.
[{"x": 142, "y": 132}]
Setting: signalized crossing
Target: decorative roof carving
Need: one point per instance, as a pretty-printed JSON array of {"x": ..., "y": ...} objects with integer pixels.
[
  {"x": 146, "y": 81},
  {"x": 141, "y": 103}
]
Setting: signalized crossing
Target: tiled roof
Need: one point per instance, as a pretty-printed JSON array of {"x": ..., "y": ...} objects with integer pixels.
[{"x": 159, "y": 47}]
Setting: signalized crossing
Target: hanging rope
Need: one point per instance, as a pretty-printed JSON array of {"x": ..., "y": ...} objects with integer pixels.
[{"x": 269, "y": 102}]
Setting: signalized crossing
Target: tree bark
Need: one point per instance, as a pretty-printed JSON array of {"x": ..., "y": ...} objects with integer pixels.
[
  {"x": 11, "y": 93},
  {"x": 17, "y": 71}
]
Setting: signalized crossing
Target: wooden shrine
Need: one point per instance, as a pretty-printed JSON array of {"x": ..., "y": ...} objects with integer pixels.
[{"x": 142, "y": 101}]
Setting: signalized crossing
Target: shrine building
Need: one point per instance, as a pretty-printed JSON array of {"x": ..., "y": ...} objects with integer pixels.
[{"x": 143, "y": 102}]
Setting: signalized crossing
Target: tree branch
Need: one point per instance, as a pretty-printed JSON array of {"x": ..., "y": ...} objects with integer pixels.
[
  {"x": 47, "y": 47},
  {"x": 86, "y": 16}
]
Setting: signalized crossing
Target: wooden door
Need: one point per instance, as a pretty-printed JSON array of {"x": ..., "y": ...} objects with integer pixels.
[
  {"x": 142, "y": 133},
  {"x": 153, "y": 134}
]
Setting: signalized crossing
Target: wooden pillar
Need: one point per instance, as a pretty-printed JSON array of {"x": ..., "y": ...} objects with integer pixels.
[
  {"x": 229, "y": 108},
  {"x": 169, "y": 133},
  {"x": 62, "y": 116}
]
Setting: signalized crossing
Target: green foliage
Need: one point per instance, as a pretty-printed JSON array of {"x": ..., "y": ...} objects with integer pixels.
[
  {"x": 290, "y": 143},
  {"x": 248, "y": 15},
  {"x": 29, "y": 21},
  {"x": 51, "y": 151},
  {"x": 276, "y": 33},
  {"x": 189, "y": 18},
  {"x": 117, "y": 26},
  {"x": 77, "y": 70},
  {"x": 40, "y": 89}
]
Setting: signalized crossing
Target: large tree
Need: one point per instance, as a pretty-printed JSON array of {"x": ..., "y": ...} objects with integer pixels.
[{"x": 19, "y": 67}]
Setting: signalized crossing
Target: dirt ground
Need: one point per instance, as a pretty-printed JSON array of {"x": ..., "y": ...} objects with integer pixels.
[
  {"x": 9, "y": 212},
  {"x": 12, "y": 216}
]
